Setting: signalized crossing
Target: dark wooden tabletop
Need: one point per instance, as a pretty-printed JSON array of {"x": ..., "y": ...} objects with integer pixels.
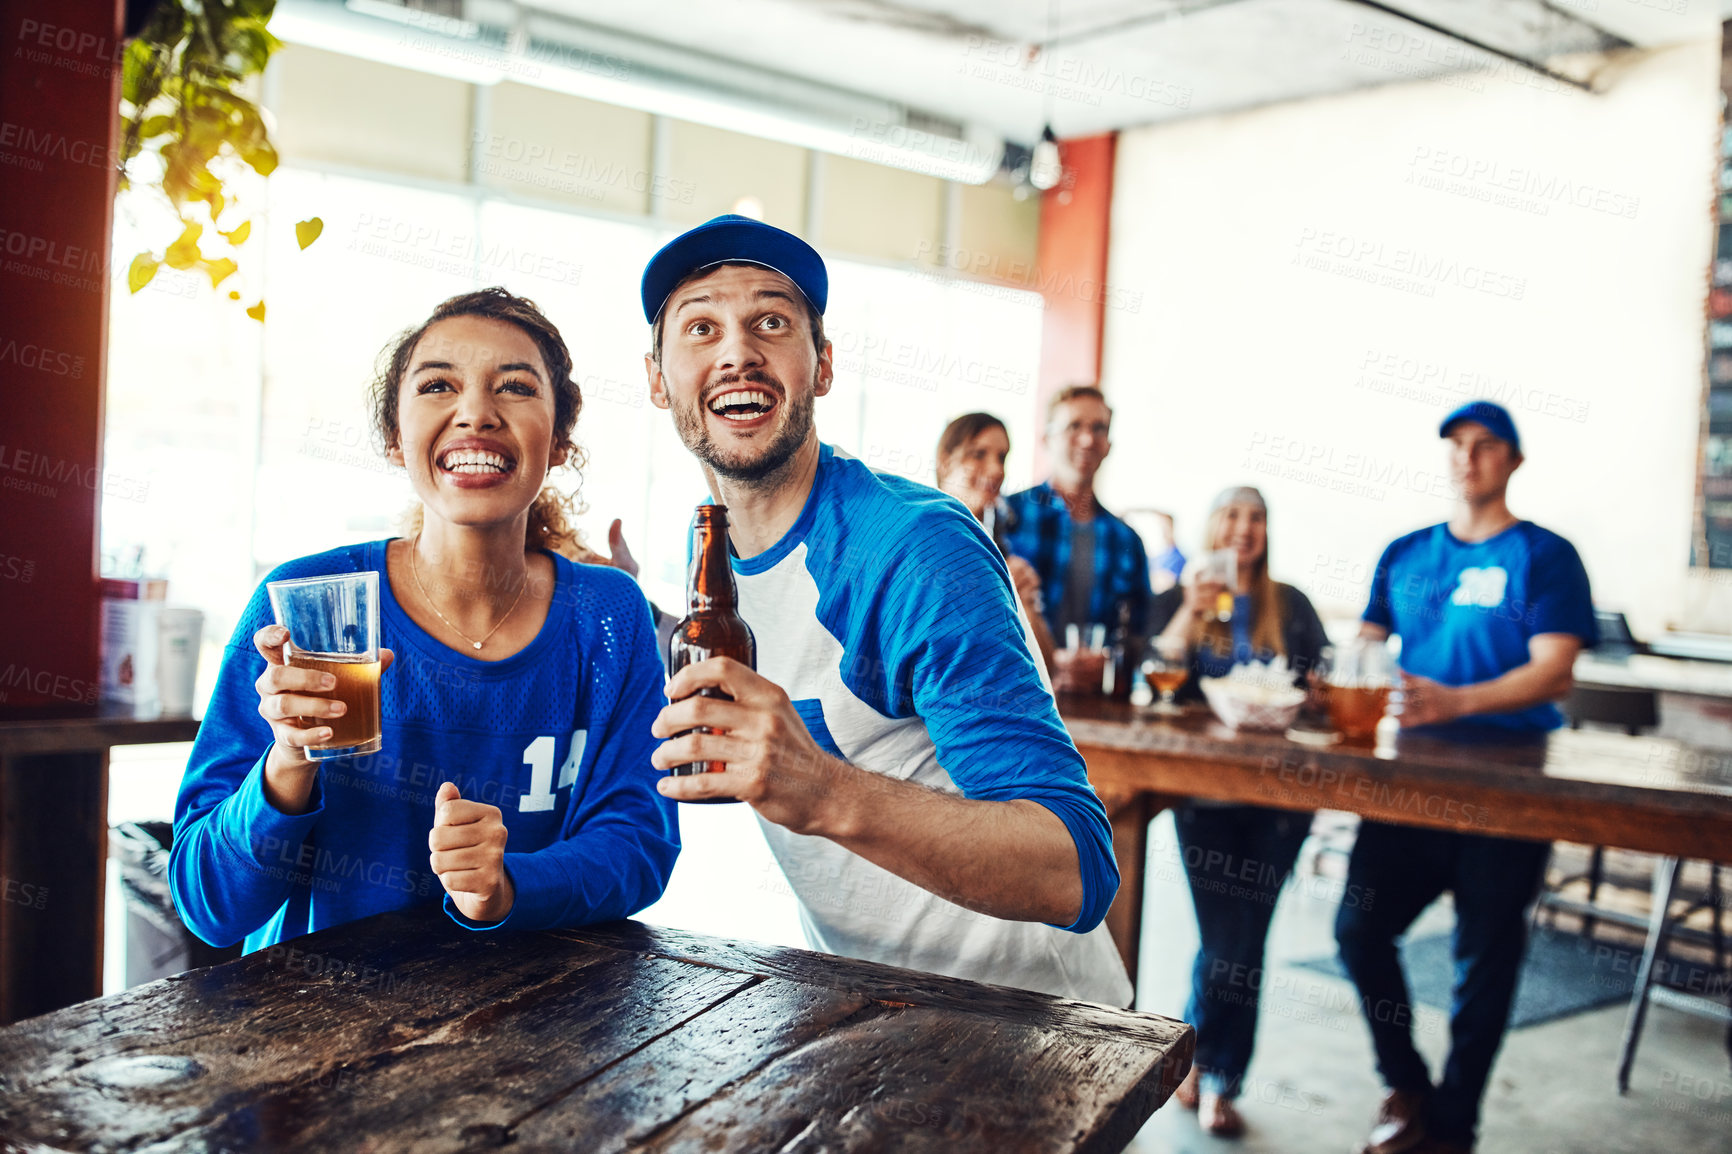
[
  {"x": 97, "y": 727},
  {"x": 1605, "y": 788},
  {"x": 1565, "y": 761},
  {"x": 405, "y": 1032},
  {"x": 1597, "y": 788}
]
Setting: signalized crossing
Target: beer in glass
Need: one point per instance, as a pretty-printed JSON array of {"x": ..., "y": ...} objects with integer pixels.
[
  {"x": 712, "y": 626},
  {"x": 1220, "y": 567},
  {"x": 333, "y": 625},
  {"x": 1166, "y": 664},
  {"x": 1358, "y": 682}
]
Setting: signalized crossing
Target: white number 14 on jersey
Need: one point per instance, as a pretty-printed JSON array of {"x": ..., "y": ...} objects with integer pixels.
[{"x": 538, "y": 755}]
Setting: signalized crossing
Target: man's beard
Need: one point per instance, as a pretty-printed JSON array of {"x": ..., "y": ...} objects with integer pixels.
[{"x": 763, "y": 471}]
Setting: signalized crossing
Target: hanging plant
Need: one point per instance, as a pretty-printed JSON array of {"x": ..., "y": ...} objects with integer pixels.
[{"x": 183, "y": 102}]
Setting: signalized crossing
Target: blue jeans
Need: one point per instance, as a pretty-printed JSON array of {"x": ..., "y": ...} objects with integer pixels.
[
  {"x": 1236, "y": 858},
  {"x": 1401, "y": 871}
]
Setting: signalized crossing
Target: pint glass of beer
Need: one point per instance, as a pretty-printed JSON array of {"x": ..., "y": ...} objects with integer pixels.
[
  {"x": 1220, "y": 567},
  {"x": 333, "y": 625},
  {"x": 1359, "y": 678}
]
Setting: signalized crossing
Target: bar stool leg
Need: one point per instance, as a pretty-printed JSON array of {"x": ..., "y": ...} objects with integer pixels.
[
  {"x": 1596, "y": 870},
  {"x": 1717, "y": 898},
  {"x": 1665, "y": 884}
]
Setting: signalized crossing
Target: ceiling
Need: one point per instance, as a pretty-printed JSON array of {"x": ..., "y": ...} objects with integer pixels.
[
  {"x": 962, "y": 88},
  {"x": 1112, "y": 64}
]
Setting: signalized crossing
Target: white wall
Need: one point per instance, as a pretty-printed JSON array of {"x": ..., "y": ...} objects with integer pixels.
[{"x": 1316, "y": 284}]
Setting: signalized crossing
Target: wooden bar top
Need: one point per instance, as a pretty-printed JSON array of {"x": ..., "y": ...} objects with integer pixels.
[
  {"x": 68, "y": 731},
  {"x": 1646, "y": 793},
  {"x": 406, "y": 1032}
]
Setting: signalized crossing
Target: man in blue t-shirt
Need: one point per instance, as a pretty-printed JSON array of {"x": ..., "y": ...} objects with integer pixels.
[
  {"x": 897, "y": 739},
  {"x": 1491, "y": 611}
]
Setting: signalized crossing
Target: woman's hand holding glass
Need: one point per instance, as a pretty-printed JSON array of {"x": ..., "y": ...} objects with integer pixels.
[
  {"x": 1202, "y": 595},
  {"x": 291, "y": 702}
]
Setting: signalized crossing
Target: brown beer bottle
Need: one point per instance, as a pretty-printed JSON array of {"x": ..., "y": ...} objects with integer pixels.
[{"x": 712, "y": 626}]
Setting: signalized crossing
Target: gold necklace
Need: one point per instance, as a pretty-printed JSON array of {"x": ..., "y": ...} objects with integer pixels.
[{"x": 427, "y": 597}]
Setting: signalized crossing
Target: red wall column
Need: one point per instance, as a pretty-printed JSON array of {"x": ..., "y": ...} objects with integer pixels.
[
  {"x": 59, "y": 95},
  {"x": 1075, "y": 222}
]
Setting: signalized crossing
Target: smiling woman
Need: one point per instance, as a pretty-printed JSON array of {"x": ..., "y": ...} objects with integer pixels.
[
  {"x": 503, "y": 660},
  {"x": 453, "y": 336}
]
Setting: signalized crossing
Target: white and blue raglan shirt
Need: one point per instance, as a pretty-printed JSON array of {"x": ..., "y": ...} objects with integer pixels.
[
  {"x": 889, "y": 619},
  {"x": 556, "y": 735}
]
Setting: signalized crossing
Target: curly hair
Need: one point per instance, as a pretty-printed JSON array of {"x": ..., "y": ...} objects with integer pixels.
[{"x": 550, "y": 515}]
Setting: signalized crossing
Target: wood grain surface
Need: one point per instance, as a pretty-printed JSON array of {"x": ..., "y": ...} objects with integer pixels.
[
  {"x": 1642, "y": 793},
  {"x": 404, "y": 1032}
]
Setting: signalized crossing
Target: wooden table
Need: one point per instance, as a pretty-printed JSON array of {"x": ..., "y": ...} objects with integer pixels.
[
  {"x": 1640, "y": 793},
  {"x": 53, "y": 849},
  {"x": 405, "y": 1032}
]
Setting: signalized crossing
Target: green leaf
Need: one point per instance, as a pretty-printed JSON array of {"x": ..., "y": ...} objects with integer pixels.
[
  {"x": 307, "y": 231},
  {"x": 184, "y": 86},
  {"x": 262, "y": 157},
  {"x": 184, "y": 253},
  {"x": 140, "y": 272},
  {"x": 220, "y": 270}
]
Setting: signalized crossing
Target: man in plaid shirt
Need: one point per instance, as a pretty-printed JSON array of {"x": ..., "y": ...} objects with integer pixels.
[{"x": 1089, "y": 561}]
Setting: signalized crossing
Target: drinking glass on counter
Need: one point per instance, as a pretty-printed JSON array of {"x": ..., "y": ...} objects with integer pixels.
[
  {"x": 1080, "y": 667},
  {"x": 1166, "y": 664},
  {"x": 1358, "y": 678},
  {"x": 333, "y": 625}
]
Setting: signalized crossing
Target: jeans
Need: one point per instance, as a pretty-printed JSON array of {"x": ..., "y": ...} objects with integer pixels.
[
  {"x": 1403, "y": 870},
  {"x": 1236, "y": 858}
]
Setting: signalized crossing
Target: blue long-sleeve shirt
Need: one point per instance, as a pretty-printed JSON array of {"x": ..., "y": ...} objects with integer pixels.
[{"x": 557, "y": 736}]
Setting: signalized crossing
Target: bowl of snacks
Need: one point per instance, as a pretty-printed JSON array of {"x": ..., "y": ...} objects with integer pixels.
[{"x": 1256, "y": 697}]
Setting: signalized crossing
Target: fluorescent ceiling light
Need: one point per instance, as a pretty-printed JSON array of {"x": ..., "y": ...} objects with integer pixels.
[{"x": 605, "y": 66}]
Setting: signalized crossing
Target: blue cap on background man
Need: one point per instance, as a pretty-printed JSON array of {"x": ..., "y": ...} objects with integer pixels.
[
  {"x": 1493, "y": 416},
  {"x": 733, "y": 239}
]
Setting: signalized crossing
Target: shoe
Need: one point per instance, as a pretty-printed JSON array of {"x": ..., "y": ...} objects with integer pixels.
[
  {"x": 1186, "y": 1094},
  {"x": 1218, "y": 1116},
  {"x": 1400, "y": 1125}
]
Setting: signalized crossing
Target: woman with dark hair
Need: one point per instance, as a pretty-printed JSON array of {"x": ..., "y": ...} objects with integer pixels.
[
  {"x": 1236, "y": 856},
  {"x": 970, "y": 466},
  {"x": 516, "y": 704}
]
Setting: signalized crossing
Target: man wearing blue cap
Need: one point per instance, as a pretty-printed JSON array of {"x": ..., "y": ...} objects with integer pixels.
[
  {"x": 897, "y": 740},
  {"x": 1491, "y": 611}
]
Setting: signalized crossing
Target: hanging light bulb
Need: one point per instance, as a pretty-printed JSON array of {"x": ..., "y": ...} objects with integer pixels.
[{"x": 1044, "y": 170}]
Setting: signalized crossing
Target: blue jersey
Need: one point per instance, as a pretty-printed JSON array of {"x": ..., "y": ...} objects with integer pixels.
[
  {"x": 557, "y": 736},
  {"x": 1466, "y": 611},
  {"x": 888, "y": 617}
]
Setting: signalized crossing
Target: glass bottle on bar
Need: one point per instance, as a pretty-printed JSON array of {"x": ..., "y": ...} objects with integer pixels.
[
  {"x": 712, "y": 626},
  {"x": 1123, "y": 651}
]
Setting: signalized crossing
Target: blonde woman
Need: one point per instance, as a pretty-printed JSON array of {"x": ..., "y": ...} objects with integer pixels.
[{"x": 1233, "y": 913}]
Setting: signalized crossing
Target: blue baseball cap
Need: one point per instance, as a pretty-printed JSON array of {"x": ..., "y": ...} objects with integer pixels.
[
  {"x": 734, "y": 239},
  {"x": 1493, "y": 416}
]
